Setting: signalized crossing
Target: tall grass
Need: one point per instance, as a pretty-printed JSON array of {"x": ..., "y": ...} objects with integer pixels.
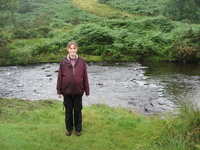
[{"x": 40, "y": 125}]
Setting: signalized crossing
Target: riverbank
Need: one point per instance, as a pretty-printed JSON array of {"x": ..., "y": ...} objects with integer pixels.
[{"x": 40, "y": 125}]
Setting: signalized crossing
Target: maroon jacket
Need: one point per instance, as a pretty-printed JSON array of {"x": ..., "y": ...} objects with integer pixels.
[{"x": 72, "y": 80}]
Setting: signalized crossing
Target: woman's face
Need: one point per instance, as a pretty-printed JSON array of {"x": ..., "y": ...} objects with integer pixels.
[{"x": 72, "y": 50}]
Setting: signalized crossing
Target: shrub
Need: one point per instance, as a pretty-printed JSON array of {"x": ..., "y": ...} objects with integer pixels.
[
  {"x": 92, "y": 38},
  {"x": 54, "y": 33},
  {"x": 4, "y": 50},
  {"x": 4, "y": 19},
  {"x": 61, "y": 24},
  {"x": 182, "y": 10},
  {"x": 45, "y": 48},
  {"x": 187, "y": 47},
  {"x": 43, "y": 31},
  {"x": 25, "y": 7},
  {"x": 20, "y": 34},
  {"x": 20, "y": 56}
]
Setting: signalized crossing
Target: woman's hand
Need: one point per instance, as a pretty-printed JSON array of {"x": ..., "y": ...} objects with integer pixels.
[{"x": 59, "y": 96}]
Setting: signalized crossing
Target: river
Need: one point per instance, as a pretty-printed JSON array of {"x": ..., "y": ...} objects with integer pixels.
[{"x": 146, "y": 88}]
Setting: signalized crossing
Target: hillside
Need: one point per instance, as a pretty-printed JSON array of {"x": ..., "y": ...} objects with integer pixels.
[
  {"x": 38, "y": 31},
  {"x": 103, "y": 10}
]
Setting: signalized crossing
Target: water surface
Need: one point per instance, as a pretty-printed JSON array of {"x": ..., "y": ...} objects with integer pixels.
[{"x": 143, "y": 87}]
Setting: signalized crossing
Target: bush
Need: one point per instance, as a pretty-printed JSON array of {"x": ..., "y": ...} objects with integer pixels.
[
  {"x": 187, "y": 47},
  {"x": 140, "y": 39},
  {"x": 60, "y": 25},
  {"x": 4, "y": 50},
  {"x": 181, "y": 10},
  {"x": 43, "y": 31},
  {"x": 54, "y": 33},
  {"x": 4, "y": 19},
  {"x": 92, "y": 38},
  {"x": 20, "y": 56},
  {"x": 25, "y": 7},
  {"x": 20, "y": 34},
  {"x": 45, "y": 48}
]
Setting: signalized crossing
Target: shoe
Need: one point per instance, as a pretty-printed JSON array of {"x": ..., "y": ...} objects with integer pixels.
[
  {"x": 78, "y": 133},
  {"x": 69, "y": 133}
]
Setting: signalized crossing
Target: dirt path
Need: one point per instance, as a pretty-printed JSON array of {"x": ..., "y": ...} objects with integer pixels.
[{"x": 102, "y": 10}]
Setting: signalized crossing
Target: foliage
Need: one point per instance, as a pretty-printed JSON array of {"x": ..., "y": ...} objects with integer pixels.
[
  {"x": 41, "y": 32},
  {"x": 142, "y": 7},
  {"x": 4, "y": 51},
  {"x": 21, "y": 52},
  {"x": 11, "y": 6},
  {"x": 105, "y": 127},
  {"x": 4, "y": 19},
  {"x": 40, "y": 13},
  {"x": 188, "y": 47},
  {"x": 25, "y": 6},
  {"x": 179, "y": 10},
  {"x": 55, "y": 23},
  {"x": 102, "y": 10},
  {"x": 183, "y": 10},
  {"x": 116, "y": 39},
  {"x": 92, "y": 38},
  {"x": 20, "y": 57}
]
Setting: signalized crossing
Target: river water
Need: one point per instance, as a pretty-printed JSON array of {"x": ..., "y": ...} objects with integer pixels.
[{"x": 147, "y": 88}]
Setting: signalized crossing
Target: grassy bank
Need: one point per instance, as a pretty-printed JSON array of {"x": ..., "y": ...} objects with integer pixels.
[
  {"x": 94, "y": 7},
  {"x": 40, "y": 125}
]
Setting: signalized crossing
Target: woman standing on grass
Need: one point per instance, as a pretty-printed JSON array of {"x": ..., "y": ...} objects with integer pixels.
[{"x": 72, "y": 83}]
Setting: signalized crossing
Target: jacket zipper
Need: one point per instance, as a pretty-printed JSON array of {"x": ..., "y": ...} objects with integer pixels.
[
  {"x": 73, "y": 70},
  {"x": 73, "y": 73}
]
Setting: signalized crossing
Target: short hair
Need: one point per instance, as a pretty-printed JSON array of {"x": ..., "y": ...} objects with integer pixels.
[{"x": 72, "y": 43}]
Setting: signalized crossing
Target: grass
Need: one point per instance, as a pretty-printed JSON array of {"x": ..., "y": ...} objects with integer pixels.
[
  {"x": 40, "y": 125},
  {"x": 102, "y": 10}
]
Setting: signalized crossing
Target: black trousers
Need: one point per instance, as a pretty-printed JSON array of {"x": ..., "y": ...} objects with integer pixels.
[{"x": 73, "y": 115}]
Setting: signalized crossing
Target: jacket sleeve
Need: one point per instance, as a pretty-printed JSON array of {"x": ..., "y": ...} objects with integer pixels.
[
  {"x": 59, "y": 80},
  {"x": 86, "y": 82}
]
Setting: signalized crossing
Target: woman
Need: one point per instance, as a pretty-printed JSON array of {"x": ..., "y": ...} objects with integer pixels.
[{"x": 72, "y": 83}]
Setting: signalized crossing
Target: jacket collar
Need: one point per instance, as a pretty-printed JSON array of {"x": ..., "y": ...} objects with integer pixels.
[{"x": 69, "y": 58}]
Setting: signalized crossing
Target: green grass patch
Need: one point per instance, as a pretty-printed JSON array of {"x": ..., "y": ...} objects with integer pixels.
[
  {"x": 94, "y": 7},
  {"x": 40, "y": 125}
]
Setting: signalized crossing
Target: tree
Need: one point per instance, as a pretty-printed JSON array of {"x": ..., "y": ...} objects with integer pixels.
[{"x": 183, "y": 10}]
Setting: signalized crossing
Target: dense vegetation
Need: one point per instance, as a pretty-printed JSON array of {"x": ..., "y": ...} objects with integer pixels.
[
  {"x": 179, "y": 10},
  {"x": 38, "y": 31},
  {"x": 40, "y": 125}
]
